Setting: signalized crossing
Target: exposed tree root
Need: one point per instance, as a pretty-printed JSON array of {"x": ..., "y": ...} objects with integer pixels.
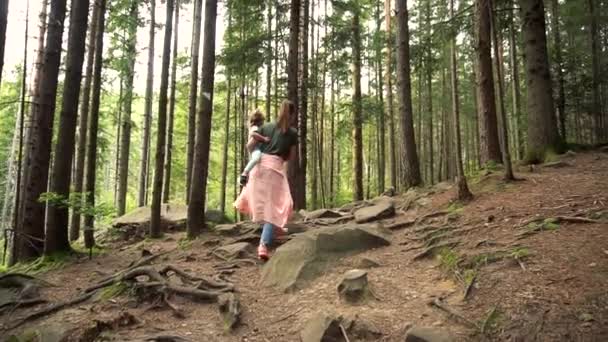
[
  {"x": 432, "y": 250},
  {"x": 453, "y": 314},
  {"x": 401, "y": 225}
]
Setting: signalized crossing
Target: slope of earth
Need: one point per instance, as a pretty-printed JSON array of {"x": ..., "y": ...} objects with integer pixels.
[{"x": 523, "y": 261}]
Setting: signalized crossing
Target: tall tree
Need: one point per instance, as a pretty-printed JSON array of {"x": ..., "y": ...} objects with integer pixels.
[
  {"x": 57, "y": 216},
  {"x": 596, "y": 69},
  {"x": 390, "y": 112},
  {"x": 3, "y": 24},
  {"x": 171, "y": 118},
  {"x": 488, "y": 126},
  {"x": 410, "y": 163},
  {"x": 379, "y": 91},
  {"x": 92, "y": 139},
  {"x": 155, "y": 223},
  {"x": 145, "y": 150},
  {"x": 515, "y": 84},
  {"x": 463, "y": 193},
  {"x": 502, "y": 118},
  {"x": 196, "y": 46},
  {"x": 125, "y": 137},
  {"x": 357, "y": 107},
  {"x": 268, "y": 51},
  {"x": 83, "y": 122},
  {"x": 557, "y": 46},
  {"x": 543, "y": 135},
  {"x": 196, "y": 209},
  {"x": 30, "y": 233},
  {"x": 292, "y": 94}
]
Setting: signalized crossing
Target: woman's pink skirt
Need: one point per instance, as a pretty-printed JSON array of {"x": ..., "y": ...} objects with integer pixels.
[{"x": 266, "y": 197}]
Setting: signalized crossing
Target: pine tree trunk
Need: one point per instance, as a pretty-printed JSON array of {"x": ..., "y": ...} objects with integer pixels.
[
  {"x": 543, "y": 135},
  {"x": 463, "y": 193},
  {"x": 411, "y": 166},
  {"x": 269, "y": 57},
  {"x": 171, "y": 118},
  {"x": 382, "y": 121},
  {"x": 561, "y": 97},
  {"x": 225, "y": 148},
  {"x": 91, "y": 159},
  {"x": 314, "y": 186},
  {"x": 145, "y": 150},
  {"x": 429, "y": 84},
  {"x": 390, "y": 113},
  {"x": 502, "y": 118},
  {"x": 196, "y": 44},
  {"x": 125, "y": 138},
  {"x": 83, "y": 123},
  {"x": 489, "y": 143},
  {"x": 332, "y": 131},
  {"x": 56, "y": 238},
  {"x": 31, "y": 228},
  {"x": 196, "y": 209},
  {"x": 515, "y": 87},
  {"x": 357, "y": 109},
  {"x": 161, "y": 134},
  {"x": 295, "y": 166},
  {"x": 596, "y": 69},
  {"x": 3, "y": 24}
]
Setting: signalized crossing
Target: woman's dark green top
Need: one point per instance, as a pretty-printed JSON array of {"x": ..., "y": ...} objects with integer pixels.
[{"x": 280, "y": 143}]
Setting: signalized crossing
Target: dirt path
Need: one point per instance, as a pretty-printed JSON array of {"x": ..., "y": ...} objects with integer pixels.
[{"x": 546, "y": 285}]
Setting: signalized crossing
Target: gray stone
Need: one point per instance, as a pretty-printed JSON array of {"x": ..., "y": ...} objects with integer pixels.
[
  {"x": 230, "y": 310},
  {"x": 354, "y": 286},
  {"x": 321, "y": 214},
  {"x": 216, "y": 216},
  {"x": 427, "y": 334},
  {"x": 557, "y": 165},
  {"x": 235, "y": 251},
  {"x": 308, "y": 255},
  {"x": 322, "y": 328},
  {"x": 228, "y": 229},
  {"x": 361, "y": 329},
  {"x": 381, "y": 210},
  {"x": 45, "y": 333},
  {"x": 367, "y": 263}
]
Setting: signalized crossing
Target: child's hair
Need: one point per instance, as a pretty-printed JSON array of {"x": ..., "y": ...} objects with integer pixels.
[{"x": 256, "y": 117}]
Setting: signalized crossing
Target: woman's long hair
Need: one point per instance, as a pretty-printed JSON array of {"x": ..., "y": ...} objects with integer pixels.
[{"x": 287, "y": 110}]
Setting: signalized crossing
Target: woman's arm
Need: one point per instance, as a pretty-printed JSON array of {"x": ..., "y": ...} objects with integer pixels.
[
  {"x": 251, "y": 144},
  {"x": 258, "y": 137}
]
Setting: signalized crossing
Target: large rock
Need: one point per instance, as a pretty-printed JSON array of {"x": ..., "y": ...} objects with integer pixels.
[
  {"x": 237, "y": 250},
  {"x": 426, "y": 334},
  {"x": 354, "y": 286},
  {"x": 383, "y": 208},
  {"x": 322, "y": 214},
  {"x": 309, "y": 254},
  {"x": 228, "y": 229},
  {"x": 173, "y": 215},
  {"x": 216, "y": 217},
  {"x": 322, "y": 328}
]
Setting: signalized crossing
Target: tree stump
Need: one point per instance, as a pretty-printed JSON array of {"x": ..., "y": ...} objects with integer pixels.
[
  {"x": 354, "y": 286},
  {"x": 230, "y": 310}
]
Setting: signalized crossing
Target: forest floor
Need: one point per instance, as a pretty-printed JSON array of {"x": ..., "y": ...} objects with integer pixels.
[{"x": 533, "y": 272}]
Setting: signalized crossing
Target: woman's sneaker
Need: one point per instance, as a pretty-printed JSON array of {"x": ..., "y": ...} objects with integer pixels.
[{"x": 262, "y": 252}]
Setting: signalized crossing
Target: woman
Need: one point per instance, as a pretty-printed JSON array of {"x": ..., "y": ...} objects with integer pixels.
[{"x": 266, "y": 197}]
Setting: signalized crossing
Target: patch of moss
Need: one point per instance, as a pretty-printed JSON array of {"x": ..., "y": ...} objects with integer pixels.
[
  {"x": 42, "y": 264},
  {"x": 113, "y": 291},
  {"x": 455, "y": 207},
  {"x": 520, "y": 253},
  {"x": 492, "y": 321},
  {"x": 184, "y": 243},
  {"x": 448, "y": 260},
  {"x": 79, "y": 248}
]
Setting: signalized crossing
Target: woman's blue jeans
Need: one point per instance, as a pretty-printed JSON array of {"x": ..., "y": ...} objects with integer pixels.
[{"x": 267, "y": 233}]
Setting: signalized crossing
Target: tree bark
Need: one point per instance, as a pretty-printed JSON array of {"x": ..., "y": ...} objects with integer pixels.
[
  {"x": 171, "y": 118},
  {"x": 91, "y": 160},
  {"x": 463, "y": 193},
  {"x": 3, "y": 23},
  {"x": 56, "y": 238},
  {"x": 83, "y": 123},
  {"x": 390, "y": 112},
  {"x": 145, "y": 150},
  {"x": 543, "y": 135},
  {"x": 225, "y": 148},
  {"x": 155, "y": 224},
  {"x": 125, "y": 138},
  {"x": 269, "y": 57},
  {"x": 295, "y": 166},
  {"x": 489, "y": 143},
  {"x": 502, "y": 118},
  {"x": 561, "y": 96},
  {"x": 196, "y": 209},
  {"x": 30, "y": 234},
  {"x": 411, "y": 166},
  {"x": 196, "y": 44},
  {"x": 382, "y": 121},
  {"x": 357, "y": 109},
  {"x": 515, "y": 86},
  {"x": 596, "y": 69}
]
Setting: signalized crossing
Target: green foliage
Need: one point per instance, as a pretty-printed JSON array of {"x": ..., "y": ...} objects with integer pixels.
[
  {"x": 76, "y": 202},
  {"x": 520, "y": 253},
  {"x": 448, "y": 260},
  {"x": 113, "y": 291}
]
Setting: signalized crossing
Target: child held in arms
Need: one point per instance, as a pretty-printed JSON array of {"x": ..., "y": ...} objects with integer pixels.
[{"x": 256, "y": 120}]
